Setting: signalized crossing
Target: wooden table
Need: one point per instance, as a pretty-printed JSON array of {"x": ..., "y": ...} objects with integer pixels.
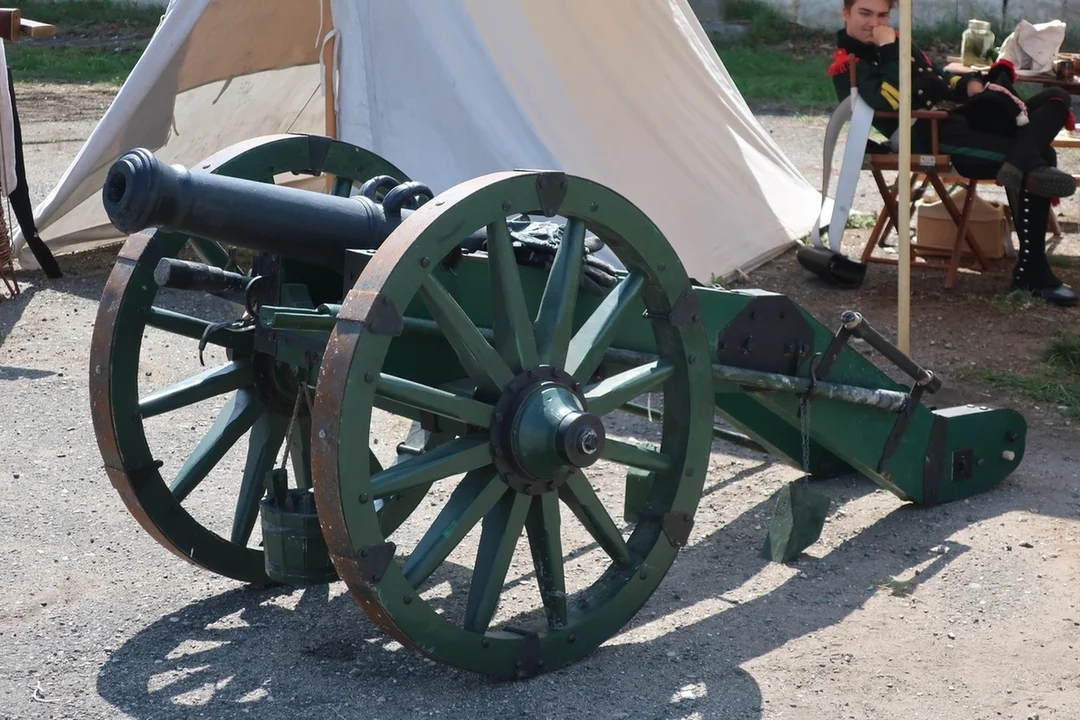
[{"x": 1071, "y": 85}]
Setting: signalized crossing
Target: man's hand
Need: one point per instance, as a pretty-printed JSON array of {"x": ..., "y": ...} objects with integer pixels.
[
  {"x": 884, "y": 35},
  {"x": 974, "y": 87}
]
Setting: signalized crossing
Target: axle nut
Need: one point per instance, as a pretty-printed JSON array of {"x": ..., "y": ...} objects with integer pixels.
[{"x": 588, "y": 442}]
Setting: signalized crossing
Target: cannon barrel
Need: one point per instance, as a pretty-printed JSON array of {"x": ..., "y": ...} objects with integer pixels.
[{"x": 142, "y": 192}]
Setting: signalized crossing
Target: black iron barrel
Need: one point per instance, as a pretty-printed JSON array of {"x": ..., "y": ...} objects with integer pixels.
[{"x": 141, "y": 192}]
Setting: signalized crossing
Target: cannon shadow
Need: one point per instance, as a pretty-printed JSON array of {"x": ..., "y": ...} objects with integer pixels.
[{"x": 250, "y": 651}]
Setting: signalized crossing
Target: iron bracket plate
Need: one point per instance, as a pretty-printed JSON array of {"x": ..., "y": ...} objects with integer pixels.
[
  {"x": 685, "y": 311},
  {"x": 530, "y": 655},
  {"x": 138, "y": 476},
  {"x": 677, "y": 527},
  {"x": 382, "y": 317},
  {"x": 373, "y": 560},
  {"x": 769, "y": 335},
  {"x": 551, "y": 191},
  {"x": 318, "y": 149}
]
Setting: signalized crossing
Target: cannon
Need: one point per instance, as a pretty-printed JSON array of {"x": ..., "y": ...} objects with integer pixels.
[{"x": 377, "y": 298}]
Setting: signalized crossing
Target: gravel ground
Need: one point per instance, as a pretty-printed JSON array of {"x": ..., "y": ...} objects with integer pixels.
[{"x": 960, "y": 611}]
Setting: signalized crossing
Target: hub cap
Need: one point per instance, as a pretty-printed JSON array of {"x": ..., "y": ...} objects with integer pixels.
[{"x": 542, "y": 431}]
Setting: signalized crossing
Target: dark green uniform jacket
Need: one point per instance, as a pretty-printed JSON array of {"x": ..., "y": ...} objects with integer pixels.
[{"x": 877, "y": 75}]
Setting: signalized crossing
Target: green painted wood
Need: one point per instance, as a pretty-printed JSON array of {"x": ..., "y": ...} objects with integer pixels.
[
  {"x": 122, "y": 321},
  {"x": 448, "y": 352}
]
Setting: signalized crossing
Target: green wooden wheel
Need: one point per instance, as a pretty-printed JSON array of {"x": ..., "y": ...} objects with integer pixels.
[
  {"x": 258, "y": 406},
  {"x": 536, "y": 423}
]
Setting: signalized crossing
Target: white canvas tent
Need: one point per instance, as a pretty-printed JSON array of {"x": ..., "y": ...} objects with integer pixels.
[{"x": 631, "y": 95}]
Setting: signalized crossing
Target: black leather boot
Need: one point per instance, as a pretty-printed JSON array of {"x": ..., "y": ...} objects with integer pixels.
[
  {"x": 1032, "y": 272},
  {"x": 1045, "y": 180},
  {"x": 1030, "y": 165}
]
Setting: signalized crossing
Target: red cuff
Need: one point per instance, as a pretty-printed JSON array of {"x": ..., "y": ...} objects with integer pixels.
[{"x": 1007, "y": 64}]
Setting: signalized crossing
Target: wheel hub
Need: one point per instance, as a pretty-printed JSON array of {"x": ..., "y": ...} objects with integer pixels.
[{"x": 542, "y": 431}]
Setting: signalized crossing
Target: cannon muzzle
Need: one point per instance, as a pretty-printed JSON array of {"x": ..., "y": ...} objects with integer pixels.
[{"x": 142, "y": 192}]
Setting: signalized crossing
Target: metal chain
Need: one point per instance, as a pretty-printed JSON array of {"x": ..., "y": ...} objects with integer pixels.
[
  {"x": 804, "y": 412},
  {"x": 804, "y": 415},
  {"x": 292, "y": 422}
]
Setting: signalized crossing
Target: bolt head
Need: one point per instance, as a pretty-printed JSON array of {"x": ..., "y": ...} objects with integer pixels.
[{"x": 588, "y": 441}]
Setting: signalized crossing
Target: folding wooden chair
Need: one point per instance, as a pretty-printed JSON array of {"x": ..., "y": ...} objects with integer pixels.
[{"x": 934, "y": 169}]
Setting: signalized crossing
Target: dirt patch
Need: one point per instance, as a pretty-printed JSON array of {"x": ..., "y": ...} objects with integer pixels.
[{"x": 50, "y": 102}]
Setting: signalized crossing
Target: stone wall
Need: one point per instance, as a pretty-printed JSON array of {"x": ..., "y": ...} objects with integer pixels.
[
  {"x": 930, "y": 13},
  {"x": 142, "y": 3}
]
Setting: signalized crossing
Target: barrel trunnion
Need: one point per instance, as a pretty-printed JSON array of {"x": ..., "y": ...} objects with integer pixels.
[{"x": 513, "y": 372}]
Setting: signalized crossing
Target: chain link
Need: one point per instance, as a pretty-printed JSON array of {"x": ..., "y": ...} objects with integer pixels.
[
  {"x": 804, "y": 412},
  {"x": 804, "y": 415},
  {"x": 302, "y": 390}
]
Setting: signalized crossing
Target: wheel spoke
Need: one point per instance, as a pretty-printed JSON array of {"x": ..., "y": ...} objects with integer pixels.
[
  {"x": 590, "y": 343},
  {"x": 263, "y": 444},
  {"x": 235, "y": 419},
  {"x": 579, "y": 496},
  {"x": 477, "y": 357},
  {"x": 636, "y": 456},
  {"x": 545, "y": 541},
  {"x": 209, "y": 251},
  {"x": 614, "y": 392},
  {"x": 471, "y": 500},
  {"x": 514, "y": 338},
  {"x": 395, "y": 509},
  {"x": 458, "y": 456},
  {"x": 501, "y": 530},
  {"x": 342, "y": 187},
  {"x": 433, "y": 400},
  {"x": 194, "y": 328},
  {"x": 555, "y": 319},
  {"x": 216, "y": 381}
]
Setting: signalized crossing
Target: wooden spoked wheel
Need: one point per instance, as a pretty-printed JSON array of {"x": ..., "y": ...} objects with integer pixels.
[
  {"x": 263, "y": 393},
  {"x": 534, "y": 415}
]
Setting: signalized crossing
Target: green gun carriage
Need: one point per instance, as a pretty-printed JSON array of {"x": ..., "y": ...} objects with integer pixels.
[{"x": 377, "y": 296}]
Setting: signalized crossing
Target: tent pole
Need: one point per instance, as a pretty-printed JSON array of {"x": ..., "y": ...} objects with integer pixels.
[
  {"x": 328, "y": 76},
  {"x": 903, "y": 304},
  {"x": 328, "y": 54}
]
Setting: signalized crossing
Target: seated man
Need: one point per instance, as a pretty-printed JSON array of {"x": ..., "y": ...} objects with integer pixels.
[{"x": 988, "y": 136}]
